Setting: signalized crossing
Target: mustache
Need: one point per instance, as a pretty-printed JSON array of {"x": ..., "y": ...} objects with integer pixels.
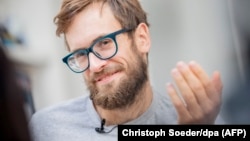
[{"x": 105, "y": 71}]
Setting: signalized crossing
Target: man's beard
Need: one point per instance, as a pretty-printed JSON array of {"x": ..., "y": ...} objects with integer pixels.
[{"x": 125, "y": 92}]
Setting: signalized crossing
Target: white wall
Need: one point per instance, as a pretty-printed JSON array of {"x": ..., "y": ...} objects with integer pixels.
[
  {"x": 51, "y": 81},
  {"x": 198, "y": 30}
]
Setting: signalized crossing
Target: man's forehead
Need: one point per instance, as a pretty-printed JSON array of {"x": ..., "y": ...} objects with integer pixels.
[{"x": 90, "y": 24}]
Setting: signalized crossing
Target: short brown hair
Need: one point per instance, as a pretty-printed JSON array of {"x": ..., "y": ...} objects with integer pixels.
[{"x": 128, "y": 12}]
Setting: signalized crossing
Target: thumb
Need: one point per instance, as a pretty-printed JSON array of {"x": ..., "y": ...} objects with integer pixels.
[{"x": 216, "y": 79}]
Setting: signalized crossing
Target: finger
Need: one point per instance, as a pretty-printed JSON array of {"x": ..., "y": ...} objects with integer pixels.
[
  {"x": 212, "y": 93},
  {"x": 187, "y": 94},
  {"x": 180, "y": 106},
  {"x": 195, "y": 85},
  {"x": 216, "y": 80}
]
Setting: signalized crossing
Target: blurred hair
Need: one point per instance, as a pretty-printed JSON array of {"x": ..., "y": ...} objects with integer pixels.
[{"x": 14, "y": 124}]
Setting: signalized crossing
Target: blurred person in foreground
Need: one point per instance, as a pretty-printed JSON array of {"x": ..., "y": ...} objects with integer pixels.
[
  {"x": 14, "y": 122},
  {"x": 109, "y": 43}
]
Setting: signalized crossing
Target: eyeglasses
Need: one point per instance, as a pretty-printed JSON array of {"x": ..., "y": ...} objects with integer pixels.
[{"x": 104, "y": 48}]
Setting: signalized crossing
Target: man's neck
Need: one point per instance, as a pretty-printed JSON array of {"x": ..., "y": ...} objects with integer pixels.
[{"x": 120, "y": 116}]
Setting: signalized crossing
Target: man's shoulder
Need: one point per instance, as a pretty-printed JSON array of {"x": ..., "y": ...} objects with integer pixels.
[
  {"x": 61, "y": 109},
  {"x": 63, "y": 121},
  {"x": 163, "y": 98}
]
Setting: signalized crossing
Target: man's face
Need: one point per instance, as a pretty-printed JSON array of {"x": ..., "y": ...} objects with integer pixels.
[{"x": 113, "y": 83}]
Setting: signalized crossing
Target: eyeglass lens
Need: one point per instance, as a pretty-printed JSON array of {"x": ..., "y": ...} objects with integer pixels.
[{"x": 103, "y": 49}]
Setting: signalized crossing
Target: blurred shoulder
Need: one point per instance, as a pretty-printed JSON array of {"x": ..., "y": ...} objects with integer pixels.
[{"x": 60, "y": 110}]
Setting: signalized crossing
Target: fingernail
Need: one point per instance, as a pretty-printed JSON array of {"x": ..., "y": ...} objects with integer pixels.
[
  {"x": 192, "y": 63},
  {"x": 181, "y": 65},
  {"x": 169, "y": 87},
  {"x": 175, "y": 72}
]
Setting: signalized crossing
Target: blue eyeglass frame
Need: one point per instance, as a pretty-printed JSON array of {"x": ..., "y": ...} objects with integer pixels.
[{"x": 90, "y": 49}]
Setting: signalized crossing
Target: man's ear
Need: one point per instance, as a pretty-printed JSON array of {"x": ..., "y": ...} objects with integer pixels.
[{"x": 142, "y": 36}]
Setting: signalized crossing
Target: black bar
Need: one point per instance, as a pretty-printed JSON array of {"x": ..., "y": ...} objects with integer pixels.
[{"x": 204, "y": 132}]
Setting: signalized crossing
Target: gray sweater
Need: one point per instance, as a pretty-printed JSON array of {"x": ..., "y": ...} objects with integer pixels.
[{"x": 76, "y": 120}]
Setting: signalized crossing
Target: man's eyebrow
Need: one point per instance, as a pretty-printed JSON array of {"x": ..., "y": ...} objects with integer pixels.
[{"x": 92, "y": 42}]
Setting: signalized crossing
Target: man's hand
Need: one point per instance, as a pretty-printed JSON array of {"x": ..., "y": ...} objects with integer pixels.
[{"x": 199, "y": 97}]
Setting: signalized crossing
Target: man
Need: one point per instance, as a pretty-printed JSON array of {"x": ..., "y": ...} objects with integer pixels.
[{"x": 109, "y": 42}]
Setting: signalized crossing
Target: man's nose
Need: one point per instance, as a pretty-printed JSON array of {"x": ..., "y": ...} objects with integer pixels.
[{"x": 96, "y": 64}]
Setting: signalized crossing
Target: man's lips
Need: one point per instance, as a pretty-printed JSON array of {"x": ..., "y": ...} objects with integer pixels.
[{"x": 104, "y": 76}]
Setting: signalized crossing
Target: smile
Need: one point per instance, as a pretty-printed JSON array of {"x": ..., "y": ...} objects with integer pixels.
[{"x": 107, "y": 78}]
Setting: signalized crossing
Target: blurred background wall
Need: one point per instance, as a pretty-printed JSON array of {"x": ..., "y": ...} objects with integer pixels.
[{"x": 207, "y": 31}]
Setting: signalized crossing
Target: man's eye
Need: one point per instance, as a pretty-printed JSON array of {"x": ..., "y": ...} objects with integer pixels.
[
  {"x": 81, "y": 53},
  {"x": 104, "y": 43}
]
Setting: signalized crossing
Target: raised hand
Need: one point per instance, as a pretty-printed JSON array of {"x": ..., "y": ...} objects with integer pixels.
[{"x": 196, "y": 97}]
